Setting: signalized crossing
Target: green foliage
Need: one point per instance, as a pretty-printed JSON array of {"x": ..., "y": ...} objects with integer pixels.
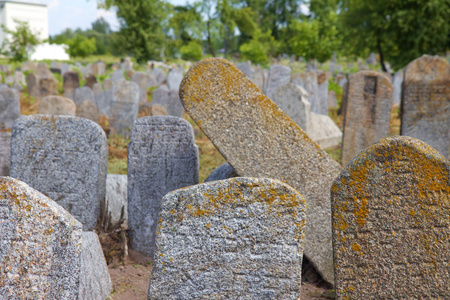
[
  {"x": 259, "y": 47},
  {"x": 191, "y": 51},
  {"x": 333, "y": 86},
  {"x": 23, "y": 40},
  {"x": 81, "y": 46}
]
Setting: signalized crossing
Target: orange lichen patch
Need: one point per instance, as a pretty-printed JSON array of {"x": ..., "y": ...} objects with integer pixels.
[
  {"x": 356, "y": 247},
  {"x": 208, "y": 225}
]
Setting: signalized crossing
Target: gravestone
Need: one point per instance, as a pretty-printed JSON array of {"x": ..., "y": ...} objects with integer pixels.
[
  {"x": 234, "y": 114},
  {"x": 47, "y": 86},
  {"x": 391, "y": 223},
  {"x": 97, "y": 88},
  {"x": 103, "y": 101},
  {"x": 5, "y": 149},
  {"x": 64, "y": 68},
  {"x": 332, "y": 100},
  {"x": 9, "y": 107},
  {"x": 42, "y": 70},
  {"x": 116, "y": 75},
  {"x": 162, "y": 151},
  {"x": 157, "y": 110},
  {"x": 159, "y": 75},
  {"x": 426, "y": 102},
  {"x": 309, "y": 82},
  {"x": 90, "y": 81},
  {"x": 367, "y": 112},
  {"x": 126, "y": 65},
  {"x": 70, "y": 84},
  {"x": 169, "y": 99},
  {"x": 341, "y": 80},
  {"x": 19, "y": 78},
  {"x": 259, "y": 78},
  {"x": 41, "y": 245},
  {"x": 29, "y": 65},
  {"x": 143, "y": 81},
  {"x": 372, "y": 59},
  {"x": 107, "y": 85},
  {"x": 98, "y": 68},
  {"x": 397, "y": 81},
  {"x": 57, "y": 105},
  {"x": 240, "y": 238},
  {"x": 174, "y": 78},
  {"x": 83, "y": 93},
  {"x": 33, "y": 85},
  {"x": 278, "y": 75},
  {"x": 116, "y": 198},
  {"x": 224, "y": 171},
  {"x": 322, "y": 93},
  {"x": 124, "y": 106},
  {"x": 246, "y": 68},
  {"x": 88, "y": 110},
  {"x": 324, "y": 131},
  {"x": 65, "y": 158}
]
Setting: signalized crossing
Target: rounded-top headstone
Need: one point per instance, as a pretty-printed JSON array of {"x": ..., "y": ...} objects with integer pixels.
[{"x": 57, "y": 105}]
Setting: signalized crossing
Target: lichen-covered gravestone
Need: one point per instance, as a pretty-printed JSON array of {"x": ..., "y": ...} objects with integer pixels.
[
  {"x": 124, "y": 106},
  {"x": 426, "y": 102},
  {"x": 40, "y": 245},
  {"x": 259, "y": 140},
  {"x": 9, "y": 107},
  {"x": 367, "y": 112},
  {"x": 240, "y": 238},
  {"x": 391, "y": 225},
  {"x": 162, "y": 157},
  {"x": 64, "y": 158},
  {"x": 5, "y": 149}
]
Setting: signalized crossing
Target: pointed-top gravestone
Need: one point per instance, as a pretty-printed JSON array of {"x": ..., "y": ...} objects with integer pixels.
[
  {"x": 240, "y": 238},
  {"x": 426, "y": 102},
  {"x": 259, "y": 140},
  {"x": 40, "y": 245},
  {"x": 391, "y": 226}
]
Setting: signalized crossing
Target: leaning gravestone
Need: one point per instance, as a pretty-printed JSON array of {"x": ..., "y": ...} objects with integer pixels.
[
  {"x": 65, "y": 158},
  {"x": 40, "y": 245},
  {"x": 57, "y": 105},
  {"x": 162, "y": 151},
  {"x": 5, "y": 149},
  {"x": 239, "y": 238},
  {"x": 9, "y": 107},
  {"x": 426, "y": 102},
  {"x": 124, "y": 106},
  {"x": 70, "y": 84},
  {"x": 83, "y": 93},
  {"x": 391, "y": 223},
  {"x": 278, "y": 75},
  {"x": 234, "y": 113},
  {"x": 367, "y": 112}
]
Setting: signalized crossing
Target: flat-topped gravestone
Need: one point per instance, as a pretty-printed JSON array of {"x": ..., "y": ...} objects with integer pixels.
[
  {"x": 65, "y": 158},
  {"x": 367, "y": 112},
  {"x": 240, "y": 238},
  {"x": 40, "y": 245},
  {"x": 162, "y": 152},
  {"x": 278, "y": 75},
  {"x": 391, "y": 226},
  {"x": 71, "y": 81},
  {"x": 124, "y": 106},
  {"x": 5, "y": 149},
  {"x": 426, "y": 102},
  {"x": 235, "y": 114},
  {"x": 57, "y": 105},
  {"x": 9, "y": 107}
]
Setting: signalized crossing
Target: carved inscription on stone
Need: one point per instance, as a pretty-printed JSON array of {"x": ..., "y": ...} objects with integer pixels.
[
  {"x": 162, "y": 157},
  {"x": 239, "y": 238},
  {"x": 391, "y": 225},
  {"x": 64, "y": 158}
]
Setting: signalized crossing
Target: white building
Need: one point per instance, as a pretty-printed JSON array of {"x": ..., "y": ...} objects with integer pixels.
[{"x": 35, "y": 14}]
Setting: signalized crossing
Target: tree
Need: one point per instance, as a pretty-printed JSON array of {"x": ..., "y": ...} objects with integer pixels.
[
  {"x": 259, "y": 48},
  {"x": 23, "y": 40},
  {"x": 81, "y": 46}
]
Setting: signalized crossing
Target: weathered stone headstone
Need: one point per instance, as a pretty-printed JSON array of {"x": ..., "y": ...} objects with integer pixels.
[
  {"x": 174, "y": 78},
  {"x": 162, "y": 151},
  {"x": 367, "y": 112},
  {"x": 9, "y": 107},
  {"x": 143, "y": 81},
  {"x": 64, "y": 158},
  {"x": 83, "y": 93},
  {"x": 246, "y": 68},
  {"x": 97, "y": 88},
  {"x": 47, "y": 86},
  {"x": 5, "y": 149},
  {"x": 169, "y": 99},
  {"x": 324, "y": 131},
  {"x": 397, "y": 81},
  {"x": 309, "y": 82},
  {"x": 259, "y": 78},
  {"x": 159, "y": 75},
  {"x": 88, "y": 110},
  {"x": 90, "y": 81},
  {"x": 107, "y": 86},
  {"x": 234, "y": 114},
  {"x": 426, "y": 102},
  {"x": 224, "y": 171},
  {"x": 42, "y": 70},
  {"x": 124, "y": 106},
  {"x": 57, "y": 105},
  {"x": 391, "y": 223},
  {"x": 29, "y": 65},
  {"x": 116, "y": 198},
  {"x": 332, "y": 100},
  {"x": 33, "y": 85},
  {"x": 157, "y": 110},
  {"x": 322, "y": 93},
  {"x": 64, "y": 68},
  {"x": 95, "y": 282},
  {"x": 278, "y": 75},
  {"x": 341, "y": 80},
  {"x": 372, "y": 59},
  {"x": 126, "y": 65},
  {"x": 116, "y": 75},
  {"x": 235, "y": 238},
  {"x": 98, "y": 68},
  {"x": 103, "y": 101},
  {"x": 70, "y": 84},
  {"x": 41, "y": 245}
]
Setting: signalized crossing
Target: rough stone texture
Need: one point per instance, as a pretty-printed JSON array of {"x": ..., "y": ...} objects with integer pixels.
[
  {"x": 42, "y": 70},
  {"x": 322, "y": 93},
  {"x": 159, "y": 75},
  {"x": 235, "y": 114},
  {"x": 98, "y": 68},
  {"x": 332, "y": 100},
  {"x": 397, "y": 81},
  {"x": 5, "y": 149},
  {"x": 169, "y": 99},
  {"x": 143, "y": 81},
  {"x": 40, "y": 245},
  {"x": 426, "y": 102},
  {"x": 239, "y": 238},
  {"x": 116, "y": 198},
  {"x": 174, "y": 78},
  {"x": 107, "y": 85},
  {"x": 88, "y": 110},
  {"x": 162, "y": 152},
  {"x": 224, "y": 171},
  {"x": 116, "y": 75},
  {"x": 64, "y": 68},
  {"x": 97, "y": 88},
  {"x": 103, "y": 101},
  {"x": 95, "y": 282},
  {"x": 309, "y": 82},
  {"x": 64, "y": 158},
  {"x": 324, "y": 131},
  {"x": 246, "y": 68},
  {"x": 70, "y": 84},
  {"x": 293, "y": 100},
  {"x": 158, "y": 110},
  {"x": 83, "y": 93},
  {"x": 9, "y": 107},
  {"x": 47, "y": 86},
  {"x": 32, "y": 85},
  {"x": 259, "y": 78},
  {"x": 367, "y": 112},
  {"x": 391, "y": 226},
  {"x": 57, "y": 105},
  {"x": 90, "y": 81},
  {"x": 278, "y": 75},
  {"x": 124, "y": 106}
]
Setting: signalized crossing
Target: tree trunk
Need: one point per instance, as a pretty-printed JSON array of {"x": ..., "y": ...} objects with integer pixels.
[
  {"x": 380, "y": 52},
  {"x": 210, "y": 46}
]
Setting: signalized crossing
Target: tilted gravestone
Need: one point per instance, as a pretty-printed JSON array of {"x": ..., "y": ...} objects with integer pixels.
[
  {"x": 278, "y": 75},
  {"x": 234, "y": 114},
  {"x": 162, "y": 151},
  {"x": 57, "y": 105},
  {"x": 83, "y": 93},
  {"x": 367, "y": 112},
  {"x": 124, "y": 106},
  {"x": 237, "y": 238},
  {"x": 169, "y": 99},
  {"x": 391, "y": 226},
  {"x": 5, "y": 149},
  {"x": 65, "y": 158},
  {"x": 71, "y": 82},
  {"x": 9, "y": 107},
  {"x": 426, "y": 102},
  {"x": 41, "y": 245}
]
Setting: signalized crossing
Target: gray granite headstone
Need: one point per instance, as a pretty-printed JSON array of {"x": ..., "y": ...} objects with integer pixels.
[
  {"x": 124, "y": 106},
  {"x": 332, "y": 100},
  {"x": 174, "y": 78},
  {"x": 107, "y": 85},
  {"x": 246, "y": 68},
  {"x": 397, "y": 81},
  {"x": 9, "y": 107},
  {"x": 278, "y": 75},
  {"x": 65, "y": 158},
  {"x": 169, "y": 99},
  {"x": 103, "y": 101},
  {"x": 259, "y": 78},
  {"x": 116, "y": 198},
  {"x": 160, "y": 76},
  {"x": 224, "y": 171},
  {"x": 83, "y": 93},
  {"x": 116, "y": 75},
  {"x": 40, "y": 245},
  {"x": 240, "y": 238},
  {"x": 309, "y": 82},
  {"x": 64, "y": 68},
  {"x": 143, "y": 81},
  {"x": 70, "y": 84},
  {"x": 162, "y": 152},
  {"x": 5, "y": 149}
]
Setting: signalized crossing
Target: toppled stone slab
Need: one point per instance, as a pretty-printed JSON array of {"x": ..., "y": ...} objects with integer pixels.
[{"x": 324, "y": 131}]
